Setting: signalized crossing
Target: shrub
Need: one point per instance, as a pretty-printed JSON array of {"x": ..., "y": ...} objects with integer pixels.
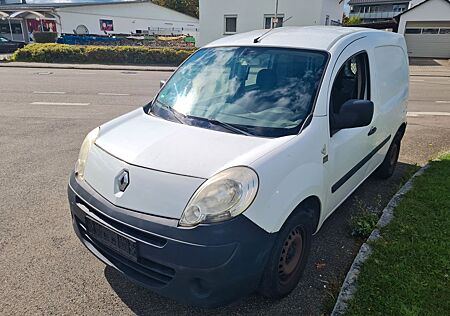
[
  {"x": 45, "y": 37},
  {"x": 134, "y": 55},
  {"x": 363, "y": 224},
  {"x": 366, "y": 218}
]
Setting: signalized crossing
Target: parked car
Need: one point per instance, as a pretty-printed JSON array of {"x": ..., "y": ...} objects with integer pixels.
[
  {"x": 8, "y": 46},
  {"x": 214, "y": 189}
]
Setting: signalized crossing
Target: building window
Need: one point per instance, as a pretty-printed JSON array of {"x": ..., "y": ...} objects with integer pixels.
[
  {"x": 230, "y": 24},
  {"x": 271, "y": 22},
  {"x": 16, "y": 28},
  {"x": 106, "y": 25},
  {"x": 413, "y": 31},
  {"x": 430, "y": 31}
]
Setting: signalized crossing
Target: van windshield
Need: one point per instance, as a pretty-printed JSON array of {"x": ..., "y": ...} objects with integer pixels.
[{"x": 259, "y": 91}]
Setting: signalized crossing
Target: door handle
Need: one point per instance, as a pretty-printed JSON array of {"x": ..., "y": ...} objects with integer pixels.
[{"x": 372, "y": 131}]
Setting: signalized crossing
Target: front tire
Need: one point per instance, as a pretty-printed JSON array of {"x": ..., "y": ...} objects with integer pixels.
[{"x": 288, "y": 258}]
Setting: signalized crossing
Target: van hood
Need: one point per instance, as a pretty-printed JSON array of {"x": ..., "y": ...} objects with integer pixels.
[{"x": 151, "y": 142}]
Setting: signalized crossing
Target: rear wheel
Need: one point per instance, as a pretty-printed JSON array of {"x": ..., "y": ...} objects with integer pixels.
[
  {"x": 387, "y": 168},
  {"x": 288, "y": 258}
]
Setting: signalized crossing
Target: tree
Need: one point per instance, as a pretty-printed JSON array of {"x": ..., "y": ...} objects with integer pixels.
[
  {"x": 353, "y": 20},
  {"x": 189, "y": 7}
]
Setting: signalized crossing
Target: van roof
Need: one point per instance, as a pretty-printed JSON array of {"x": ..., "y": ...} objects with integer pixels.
[{"x": 310, "y": 37}]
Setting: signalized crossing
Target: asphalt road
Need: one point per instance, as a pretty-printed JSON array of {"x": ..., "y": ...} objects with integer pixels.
[{"x": 44, "y": 269}]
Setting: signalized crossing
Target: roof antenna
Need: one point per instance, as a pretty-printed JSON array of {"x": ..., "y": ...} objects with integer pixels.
[
  {"x": 272, "y": 24},
  {"x": 259, "y": 38}
]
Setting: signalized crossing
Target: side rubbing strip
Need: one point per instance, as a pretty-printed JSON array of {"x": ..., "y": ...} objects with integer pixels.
[{"x": 360, "y": 164}]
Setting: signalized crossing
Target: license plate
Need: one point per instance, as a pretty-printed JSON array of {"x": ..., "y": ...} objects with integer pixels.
[{"x": 114, "y": 241}]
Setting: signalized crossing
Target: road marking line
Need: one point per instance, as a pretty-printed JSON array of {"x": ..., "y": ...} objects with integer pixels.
[
  {"x": 443, "y": 102},
  {"x": 414, "y": 114},
  {"x": 57, "y": 103},
  {"x": 48, "y": 92},
  {"x": 113, "y": 94}
]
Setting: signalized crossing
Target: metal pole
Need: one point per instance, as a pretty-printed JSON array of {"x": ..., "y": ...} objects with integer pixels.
[
  {"x": 276, "y": 14},
  {"x": 10, "y": 29}
]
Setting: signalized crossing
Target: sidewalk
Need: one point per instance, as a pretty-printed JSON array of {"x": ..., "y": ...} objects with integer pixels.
[
  {"x": 429, "y": 67},
  {"x": 415, "y": 70},
  {"x": 430, "y": 71},
  {"x": 86, "y": 66}
]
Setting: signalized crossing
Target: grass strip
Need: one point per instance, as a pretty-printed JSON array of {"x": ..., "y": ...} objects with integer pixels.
[{"x": 408, "y": 272}]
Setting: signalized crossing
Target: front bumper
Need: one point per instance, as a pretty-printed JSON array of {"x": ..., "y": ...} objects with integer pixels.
[{"x": 209, "y": 265}]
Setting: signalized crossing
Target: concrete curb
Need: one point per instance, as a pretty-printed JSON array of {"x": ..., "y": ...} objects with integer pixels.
[
  {"x": 445, "y": 75},
  {"x": 349, "y": 286},
  {"x": 87, "y": 66}
]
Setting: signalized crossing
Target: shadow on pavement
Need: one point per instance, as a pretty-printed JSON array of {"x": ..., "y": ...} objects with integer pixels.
[
  {"x": 427, "y": 62},
  {"x": 332, "y": 252}
]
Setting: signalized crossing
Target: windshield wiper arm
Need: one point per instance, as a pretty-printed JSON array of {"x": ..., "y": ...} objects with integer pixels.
[
  {"x": 230, "y": 127},
  {"x": 174, "y": 112},
  {"x": 227, "y": 126},
  {"x": 177, "y": 115}
]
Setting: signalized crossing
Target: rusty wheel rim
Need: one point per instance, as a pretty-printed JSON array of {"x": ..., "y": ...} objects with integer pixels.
[{"x": 291, "y": 254}]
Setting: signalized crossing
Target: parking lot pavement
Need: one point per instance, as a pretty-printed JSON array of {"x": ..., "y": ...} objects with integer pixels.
[{"x": 44, "y": 116}]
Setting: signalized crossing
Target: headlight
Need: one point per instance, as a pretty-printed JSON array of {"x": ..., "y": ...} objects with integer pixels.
[
  {"x": 224, "y": 196},
  {"x": 84, "y": 152}
]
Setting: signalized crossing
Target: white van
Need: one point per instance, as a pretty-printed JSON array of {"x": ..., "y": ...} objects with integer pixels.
[{"x": 214, "y": 189}]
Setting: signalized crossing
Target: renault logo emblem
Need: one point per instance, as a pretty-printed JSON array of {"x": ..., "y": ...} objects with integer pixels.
[{"x": 123, "y": 180}]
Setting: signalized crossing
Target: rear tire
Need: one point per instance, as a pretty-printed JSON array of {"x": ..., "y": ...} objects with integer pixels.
[
  {"x": 387, "y": 168},
  {"x": 288, "y": 257}
]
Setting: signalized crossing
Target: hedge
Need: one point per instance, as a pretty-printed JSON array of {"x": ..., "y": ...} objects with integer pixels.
[
  {"x": 134, "y": 55},
  {"x": 45, "y": 37}
]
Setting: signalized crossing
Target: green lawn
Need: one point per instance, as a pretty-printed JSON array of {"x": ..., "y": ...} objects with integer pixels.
[{"x": 409, "y": 270}]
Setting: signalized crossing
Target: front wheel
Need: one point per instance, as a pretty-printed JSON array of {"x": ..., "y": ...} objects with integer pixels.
[{"x": 288, "y": 258}]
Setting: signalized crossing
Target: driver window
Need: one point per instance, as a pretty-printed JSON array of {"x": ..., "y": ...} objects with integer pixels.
[{"x": 352, "y": 82}]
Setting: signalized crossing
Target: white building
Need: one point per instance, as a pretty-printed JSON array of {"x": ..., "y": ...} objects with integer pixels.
[
  {"x": 426, "y": 26},
  {"x": 219, "y": 18},
  {"x": 128, "y": 17}
]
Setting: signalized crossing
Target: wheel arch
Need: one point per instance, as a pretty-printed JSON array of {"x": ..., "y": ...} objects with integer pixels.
[
  {"x": 311, "y": 205},
  {"x": 401, "y": 130}
]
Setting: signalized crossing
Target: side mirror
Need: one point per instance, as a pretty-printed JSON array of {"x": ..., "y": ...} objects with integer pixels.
[
  {"x": 353, "y": 113},
  {"x": 162, "y": 83}
]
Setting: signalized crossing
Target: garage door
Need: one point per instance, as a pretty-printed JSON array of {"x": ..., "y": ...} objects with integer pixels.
[{"x": 428, "y": 41}]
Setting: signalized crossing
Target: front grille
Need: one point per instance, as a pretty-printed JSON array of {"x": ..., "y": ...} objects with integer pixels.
[{"x": 146, "y": 271}]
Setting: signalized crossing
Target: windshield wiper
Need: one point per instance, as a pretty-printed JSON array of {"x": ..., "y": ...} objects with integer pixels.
[
  {"x": 177, "y": 115},
  {"x": 224, "y": 125},
  {"x": 180, "y": 118},
  {"x": 230, "y": 127}
]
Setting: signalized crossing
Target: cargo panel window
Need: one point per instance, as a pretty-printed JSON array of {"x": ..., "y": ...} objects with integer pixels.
[{"x": 392, "y": 75}]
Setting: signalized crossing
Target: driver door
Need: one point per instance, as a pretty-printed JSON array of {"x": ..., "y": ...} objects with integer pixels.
[{"x": 347, "y": 148}]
